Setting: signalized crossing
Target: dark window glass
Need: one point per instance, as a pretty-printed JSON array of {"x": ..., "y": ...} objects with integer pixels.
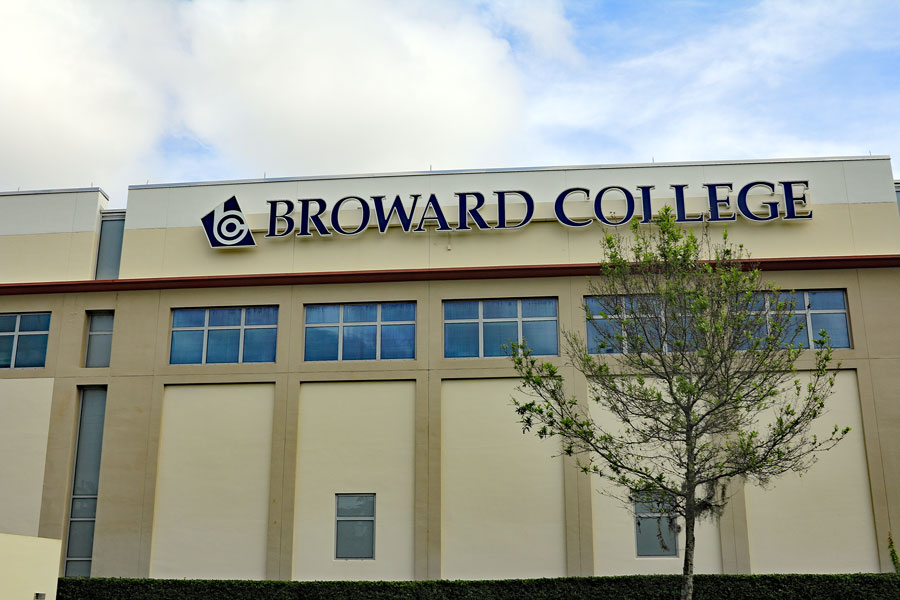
[
  {"x": 498, "y": 334},
  {"x": 187, "y": 347},
  {"x": 223, "y": 345},
  {"x": 31, "y": 350},
  {"x": 460, "y": 309},
  {"x": 360, "y": 313},
  {"x": 219, "y": 317},
  {"x": 321, "y": 343},
  {"x": 460, "y": 340},
  {"x": 540, "y": 336},
  {"x": 261, "y": 315},
  {"x": 359, "y": 342},
  {"x": 109, "y": 252},
  {"x": 398, "y": 341},
  {"x": 35, "y": 322},
  {"x": 835, "y": 324},
  {"x": 188, "y": 317},
  {"x": 398, "y": 311},
  {"x": 259, "y": 345},
  {"x": 323, "y": 314}
]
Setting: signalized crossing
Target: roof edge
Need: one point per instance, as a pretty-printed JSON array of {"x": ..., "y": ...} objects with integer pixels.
[{"x": 149, "y": 186}]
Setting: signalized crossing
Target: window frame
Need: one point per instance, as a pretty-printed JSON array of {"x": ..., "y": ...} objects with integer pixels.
[
  {"x": 378, "y": 323},
  {"x": 73, "y": 495},
  {"x": 802, "y": 308},
  {"x": 640, "y": 516},
  {"x": 338, "y": 518},
  {"x": 206, "y": 328},
  {"x": 94, "y": 334},
  {"x": 480, "y": 320},
  {"x": 16, "y": 333}
]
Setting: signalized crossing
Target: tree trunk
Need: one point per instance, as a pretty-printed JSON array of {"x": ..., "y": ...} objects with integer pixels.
[{"x": 687, "y": 577}]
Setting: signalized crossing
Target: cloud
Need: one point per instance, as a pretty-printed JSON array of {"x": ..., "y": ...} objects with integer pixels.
[{"x": 115, "y": 93}]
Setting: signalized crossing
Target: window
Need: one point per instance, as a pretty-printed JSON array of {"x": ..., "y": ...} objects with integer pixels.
[
  {"x": 109, "y": 253},
  {"x": 354, "y": 526},
  {"x": 614, "y": 318},
  {"x": 23, "y": 340},
  {"x": 99, "y": 342},
  {"x": 656, "y": 531},
  {"x": 360, "y": 331},
  {"x": 86, "y": 483},
  {"x": 814, "y": 310},
  {"x": 223, "y": 335},
  {"x": 479, "y": 328}
]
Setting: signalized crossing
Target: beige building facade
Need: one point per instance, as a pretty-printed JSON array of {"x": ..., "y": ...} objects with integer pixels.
[{"x": 330, "y": 402}]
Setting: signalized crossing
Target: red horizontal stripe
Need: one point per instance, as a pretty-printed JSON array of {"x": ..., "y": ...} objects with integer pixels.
[{"x": 440, "y": 274}]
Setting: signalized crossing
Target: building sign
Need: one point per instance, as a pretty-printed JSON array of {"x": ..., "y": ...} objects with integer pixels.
[{"x": 226, "y": 227}]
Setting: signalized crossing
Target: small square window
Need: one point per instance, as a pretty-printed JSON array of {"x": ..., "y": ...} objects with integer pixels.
[
  {"x": 354, "y": 526},
  {"x": 656, "y": 529}
]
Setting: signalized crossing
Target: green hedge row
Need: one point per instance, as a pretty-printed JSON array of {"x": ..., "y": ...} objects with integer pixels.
[{"x": 641, "y": 587}]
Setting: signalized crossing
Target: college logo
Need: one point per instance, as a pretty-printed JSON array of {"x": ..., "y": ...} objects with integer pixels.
[{"x": 226, "y": 227}]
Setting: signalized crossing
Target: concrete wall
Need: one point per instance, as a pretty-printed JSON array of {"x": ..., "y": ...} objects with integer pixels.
[
  {"x": 820, "y": 522},
  {"x": 502, "y": 505},
  {"x": 53, "y": 236},
  {"x": 212, "y": 494},
  {"x": 28, "y": 565},
  {"x": 355, "y": 437},
  {"x": 24, "y": 427}
]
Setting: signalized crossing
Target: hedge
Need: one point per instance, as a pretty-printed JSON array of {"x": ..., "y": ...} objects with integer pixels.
[{"x": 639, "y": 587}]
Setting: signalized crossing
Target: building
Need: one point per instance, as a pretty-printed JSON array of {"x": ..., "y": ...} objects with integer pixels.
[{"x": 301, "y": 378}]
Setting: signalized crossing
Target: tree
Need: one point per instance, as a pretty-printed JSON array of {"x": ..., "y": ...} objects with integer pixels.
[{"x": 691, "y": 356}]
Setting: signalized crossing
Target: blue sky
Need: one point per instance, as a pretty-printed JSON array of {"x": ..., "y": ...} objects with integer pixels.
[{"x": 112, "y": 93}]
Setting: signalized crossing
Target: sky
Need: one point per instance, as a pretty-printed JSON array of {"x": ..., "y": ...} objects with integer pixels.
[{"x": 112, "y": 94}]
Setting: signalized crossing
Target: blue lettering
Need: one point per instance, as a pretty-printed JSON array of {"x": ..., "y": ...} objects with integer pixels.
[
  {"x": 465, "y": 212},
  {"x": 561, "y": 214},
  {"x": 646, "y": 209},
  {"x": 715, "y": 203},
  {"x": 501, "y": 209},
  {"x": 745, "y": 210},
  {"x": 335, "y": 213},
  {"x": 680, "y": 211},
  {"x": 629, "y": 206},
  {"x": 397, "y": 206},
  {"x": 438, "y": 216},
  {"x": 274, "y": 217},
  {"x": 790, "y": 201},
  {"x": 315, "y": 218}
]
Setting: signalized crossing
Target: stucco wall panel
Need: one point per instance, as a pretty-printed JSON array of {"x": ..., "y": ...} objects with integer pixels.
[
  {"x": 24, "y": 428},
  {"x": 821, "y": 522},
  {"x": 355, "y": 437},
  {"x": 502, "y": 505},
  {"x": 212, "y": 489}
]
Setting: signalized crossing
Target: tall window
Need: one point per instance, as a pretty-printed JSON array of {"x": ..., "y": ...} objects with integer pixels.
[
  {"x": 480, "y": 328},
  {"x": 354, "y": 526},
  {"x": 223, "y": 335},
  {"x": 86, "y": 484},
  {"x": 23, "y": 339},
  {"x": 360, "y": 331},
  {"x": 656, "y": 530},
  {"x": 99, "y": 342},
  {"x": 109, "y": 253}
]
